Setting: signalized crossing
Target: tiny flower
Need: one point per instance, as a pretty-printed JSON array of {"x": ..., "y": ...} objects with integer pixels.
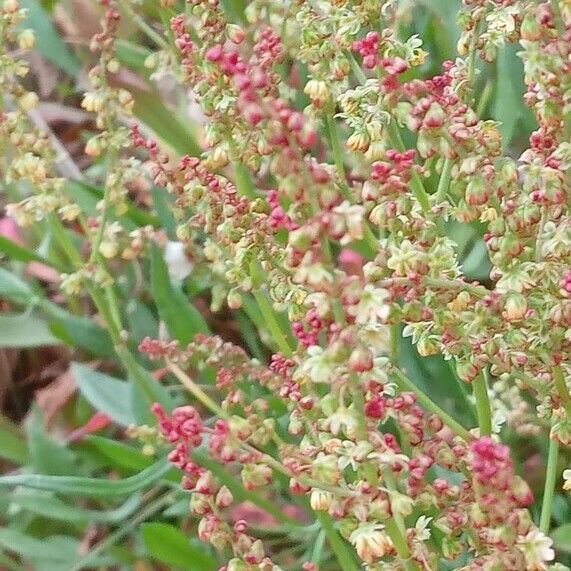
[
  {"x": 320, "y": 500},
  {"x": 537, "y": 549},
  {"x": 372, "y": 306},
  {"x": 318, "y": 91},
  {"x": 370, "y": 542},
  {"x": 515, "y": 307},
  {"x": 26, "y": 39},
  {"x": 567, "y": 480},
  {"x": 401, "y": 505}
]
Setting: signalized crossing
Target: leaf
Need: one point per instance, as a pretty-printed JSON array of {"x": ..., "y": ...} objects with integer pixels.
[
  {"x": 341, "y": 548},
  {"x": 476, "y": 265},
  {"x": 25, "y": 331},
  {"x": 508, "y": 107},
  {"x": 182, "y": 319},
  {"x": 48, "y": 40},
  {"x": 19, "y": 253},
  {"x": 52, "y": 548},
  {"x": 120, "y": 455},
  {"x": 14, "y": 447},
  {"x": 562, "y": 537},
  {"x": 16, "y": 290},
  {"x": 163, "y": 121},
  {"x": 81, "y": 332},
  {"x": 106, "y": 394},
  {"x": 89, "y": 487},
  {"x": 48, "y": 456},
  {"x": 170, "y": 546},
  {"x": 46, "y": 505}
]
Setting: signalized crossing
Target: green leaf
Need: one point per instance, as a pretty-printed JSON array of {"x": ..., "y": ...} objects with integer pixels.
[
  {"x": 89, "y": 487},
  {"x": 48, "y": 40},
  {"x": 48, "y": 456},
  {"x": 52, "y": 548},
  {"x": 46, "y": 505},
  {"x": 476, "y": 265},
  {"x": 170, "y": 546},
  {"x": 182, "y": 319},
  {"x": 16, "y": 290},
  {"x": 142, "y": 322},
  {"x": 163, "y": 121},
  {"x": 562, "y": 537},
  {"x": 106, "y": 394},
  {"x": 132, "y": 55},
  {"x": 120, "y": 455},
  {"x": 17, "y": 252},
  {"x": 14, "y": 447},
  {"x": 508, "y": 107},
  {"x": 163, "y": 203},
  {"x": 81, "y": 332},
  {"x": 341, "y": 549},
  {"x": 25, "y": 330}
]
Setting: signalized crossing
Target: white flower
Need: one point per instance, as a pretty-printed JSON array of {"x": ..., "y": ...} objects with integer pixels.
[
  {"x": 318, "y": 366},
  {"x": 353, "y": 216},
  {"x": 376, "y": 336},
  {"x": 177, "y": 262},
  {"x": 343, "y": 419},
  {"x": 404, "y": 258},
  {"x": 536, "y": 547},
  {"x": 370, "y": 542},
  {"x": 372, "y": 306},
  {"x": 567, "y": 478},
  {"x": 421, "y": 528},
  {"x": 352, "y": 454}
]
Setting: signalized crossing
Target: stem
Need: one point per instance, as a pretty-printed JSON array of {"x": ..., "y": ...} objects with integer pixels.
[
  {"x": 272, "y": 323},
  {"x": 480, "y": 388},
  {"x": 400, "y": 544},
  {"x": 561, "y": 386},
  {"x": 444, "y": 181},
  {"x": 195, "y": 390},
  {"x": 94, "y": 256},
  {"x": 339, "y": 547},
  {"x": 416, "y": 183},
  {"x": 549, "y": 489},
  {"x": 337, "y": 150},
  {"x": 557, "y": 17},
  {"x": 405, "y": 383},
  {"x": 151, "y": 509},
  {"x": 359, "y": 403}
]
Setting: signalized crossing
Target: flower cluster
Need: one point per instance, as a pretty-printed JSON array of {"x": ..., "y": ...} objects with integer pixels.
[{"x": 330, "y": 209}]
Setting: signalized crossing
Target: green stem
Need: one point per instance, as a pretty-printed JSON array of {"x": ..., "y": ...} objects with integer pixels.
[
  {"x": 549, "y": 489},
  {"x": 557, "y": 17},
  {"x": 416, "y": 182},
  {"x": 480, "y": 388},
  {"x": 400, "y": 544},
  {"x": 405, "y": 383},
  {"x": 339, "y": 547},
  {"x": 150, "y": 510},
  {"x": 561, "y": 386},
  {"x": 196, "y": 391},
  {"x": 444, "y": 181},
  {"x": 268, "y": 314}
]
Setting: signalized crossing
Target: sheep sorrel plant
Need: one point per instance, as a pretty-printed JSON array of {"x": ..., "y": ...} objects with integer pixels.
[{"x": 328, "y": 244}]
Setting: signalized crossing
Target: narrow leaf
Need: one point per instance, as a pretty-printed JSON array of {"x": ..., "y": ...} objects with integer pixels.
[
  {"x": 89, "y": 487},
  {"x": 170, "y": 546},
  {"x": 183, "y": 320}
]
